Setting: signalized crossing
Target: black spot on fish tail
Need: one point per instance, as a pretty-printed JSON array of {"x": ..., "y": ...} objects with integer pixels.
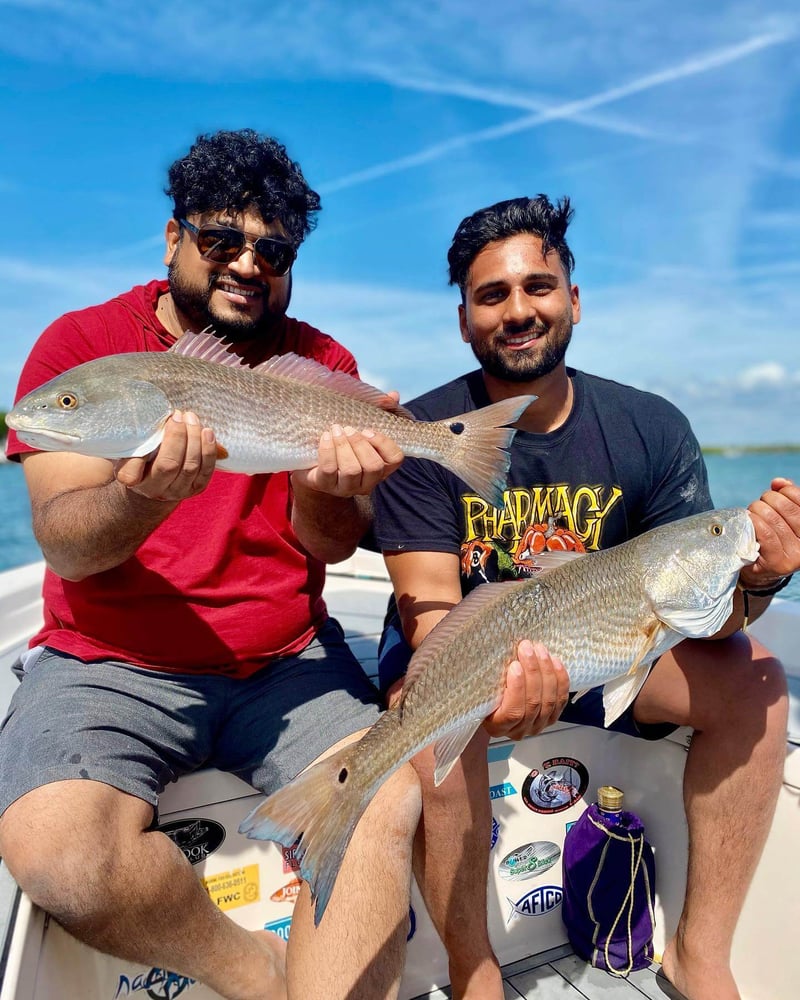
[
  {"x": 457, "y": 427},
  {"x": 343, "y": 776}
]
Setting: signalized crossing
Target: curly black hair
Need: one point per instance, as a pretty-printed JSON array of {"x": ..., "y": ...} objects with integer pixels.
[
  {"x": 232, "y": 171},
  {"x": 538, "y": 216}
]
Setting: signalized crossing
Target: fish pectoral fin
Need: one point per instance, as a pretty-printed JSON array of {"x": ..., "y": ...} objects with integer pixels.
[
  {"x": 449, "y": 748},
  {"x": 148, "y": 447},
  {"x": 619, "y": 693},
  {"x": 222, "y": 453}
]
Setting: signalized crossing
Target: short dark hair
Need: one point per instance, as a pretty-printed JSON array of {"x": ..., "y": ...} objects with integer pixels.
[
  {"x": 538, "y": 216},
  {"x": 237, "y": 170}
]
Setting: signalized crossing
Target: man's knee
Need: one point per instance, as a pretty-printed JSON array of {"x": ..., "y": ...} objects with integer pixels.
[
  {"x": 62, "y": 847},
  {"x": 396, "y": 808}
]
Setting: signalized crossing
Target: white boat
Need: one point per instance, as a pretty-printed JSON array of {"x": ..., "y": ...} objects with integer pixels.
[{"x": 255, "y": 883}]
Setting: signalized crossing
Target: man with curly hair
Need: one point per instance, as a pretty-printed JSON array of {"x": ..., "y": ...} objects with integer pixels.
[{"x": 184, "y": 624}]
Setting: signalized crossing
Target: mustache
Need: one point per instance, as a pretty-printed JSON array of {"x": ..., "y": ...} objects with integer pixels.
[
  {"x": 529, "y": 326},
  {"x": 234, "y": 279}
]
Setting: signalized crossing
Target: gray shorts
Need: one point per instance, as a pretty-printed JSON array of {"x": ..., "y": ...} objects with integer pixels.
[{"x": 138, "y": 729}]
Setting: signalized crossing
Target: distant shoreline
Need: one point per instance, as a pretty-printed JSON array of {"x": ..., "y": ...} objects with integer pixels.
[{"x": 749, "y": 449}]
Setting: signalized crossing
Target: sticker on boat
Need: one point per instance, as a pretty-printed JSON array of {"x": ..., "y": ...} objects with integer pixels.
[
  {"x": 535, "y": 903},
  {"x": 529, "y": 860},
  {"x": 561, "y": 782},
  {"x": 196, "y": 837}
]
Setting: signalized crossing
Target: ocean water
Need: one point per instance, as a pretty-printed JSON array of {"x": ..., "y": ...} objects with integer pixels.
[{"x": 736, "y": 479}]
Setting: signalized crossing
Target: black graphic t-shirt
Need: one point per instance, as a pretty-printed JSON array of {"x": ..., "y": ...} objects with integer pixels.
[{"x": 623, "y": 462}]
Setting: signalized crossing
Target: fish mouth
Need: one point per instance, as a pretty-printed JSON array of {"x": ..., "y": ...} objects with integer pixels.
[
  {"x": 33, "y": 435},
  {"x": 748, "y": 548}
]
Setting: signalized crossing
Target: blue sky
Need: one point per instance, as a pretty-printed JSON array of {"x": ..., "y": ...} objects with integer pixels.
[{"x": 674, "y": 127}]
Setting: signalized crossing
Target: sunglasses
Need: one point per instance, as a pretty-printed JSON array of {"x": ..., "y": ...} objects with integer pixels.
[{"x": 223, "y": 244}]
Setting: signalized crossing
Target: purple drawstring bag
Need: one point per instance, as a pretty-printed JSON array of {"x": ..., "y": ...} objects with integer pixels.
[{"x": 609, "y": 891}]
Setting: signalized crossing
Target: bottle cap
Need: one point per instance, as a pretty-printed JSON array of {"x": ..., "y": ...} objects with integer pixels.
[{"x": 609, "y": 798}]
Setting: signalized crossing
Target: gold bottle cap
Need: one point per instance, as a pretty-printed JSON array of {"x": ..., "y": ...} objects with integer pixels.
[{"x": 609, "y": 798}]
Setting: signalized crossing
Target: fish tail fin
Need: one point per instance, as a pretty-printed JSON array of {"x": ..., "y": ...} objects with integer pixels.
[
  {"x": 318, "y": 812},
  {"x": 478, "y": 451}
]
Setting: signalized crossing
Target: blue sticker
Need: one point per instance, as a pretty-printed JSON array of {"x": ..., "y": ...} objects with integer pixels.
[
  {"x": 499, "y": 752},
  {"x": 535, "y": 903},
  {"x": 501, "y": 791},
  {"x": 280, "y": 927}
]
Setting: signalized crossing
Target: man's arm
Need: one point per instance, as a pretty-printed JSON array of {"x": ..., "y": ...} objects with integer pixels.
[
  {"x": 90, "y": 515},
  {"x": 426, "y": 586},
  {"x": 331, "y": 511},
  {"x": 776, "y": 518}
]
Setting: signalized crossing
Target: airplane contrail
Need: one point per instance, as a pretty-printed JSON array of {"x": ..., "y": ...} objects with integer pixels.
[{"x": 691, "y": 67}]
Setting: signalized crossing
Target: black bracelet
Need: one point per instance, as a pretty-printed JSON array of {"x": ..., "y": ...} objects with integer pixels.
[
  {"x": 748, "y": 592},
  {"x": 767, "y": 591}
]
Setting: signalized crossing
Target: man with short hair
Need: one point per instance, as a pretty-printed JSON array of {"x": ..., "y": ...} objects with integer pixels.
[
  {"x": 593, "y": 464},
  {"x": 184, "y": 624}
]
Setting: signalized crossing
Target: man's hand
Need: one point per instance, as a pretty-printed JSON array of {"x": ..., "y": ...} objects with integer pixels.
[
  {"x": 776, "y": 517},
  {"x": 181, "y": 467},
  {"x": 351, "y": 463},
  {"x": 536, "y": 691}
]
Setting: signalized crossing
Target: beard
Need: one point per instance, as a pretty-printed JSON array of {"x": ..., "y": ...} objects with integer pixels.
[
  {"x": 529, "y": 365},
  {"x": 193, "y": 300}
]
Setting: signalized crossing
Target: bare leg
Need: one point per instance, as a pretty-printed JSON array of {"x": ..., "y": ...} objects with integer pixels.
[
  {"x": 358, "y": 950},
  {"x": 451, "y": 864},
  {"x": 82, "y": 851},
  {"x": 733, "y": 694}
]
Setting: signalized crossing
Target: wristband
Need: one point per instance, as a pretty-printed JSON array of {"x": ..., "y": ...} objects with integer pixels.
[{"x": 748, "y": 592}]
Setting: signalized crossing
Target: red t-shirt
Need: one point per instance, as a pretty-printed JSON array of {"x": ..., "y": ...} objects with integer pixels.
[{"x": 223, "y": 584}]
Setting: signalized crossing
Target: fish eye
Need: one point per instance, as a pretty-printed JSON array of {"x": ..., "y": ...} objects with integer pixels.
[
  {"x": 67, "y": 400},
  {"x": 716, "y": 529}
]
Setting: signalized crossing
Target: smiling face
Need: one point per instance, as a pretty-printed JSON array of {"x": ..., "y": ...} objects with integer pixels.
[
  {"x": 518, "y": 309},
  {"x": 240, "y": 299}
]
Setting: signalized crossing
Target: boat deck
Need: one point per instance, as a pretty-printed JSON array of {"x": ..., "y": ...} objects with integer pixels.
[{"x": 559, "y": 974}]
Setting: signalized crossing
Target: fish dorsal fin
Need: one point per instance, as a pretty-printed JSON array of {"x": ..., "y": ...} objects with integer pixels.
[
  {"x": 455, "y": 619},
  {"x": 543, "y": 562},
  {"x": 313, "y": 373},
  {"x": 208, "y": 347}
]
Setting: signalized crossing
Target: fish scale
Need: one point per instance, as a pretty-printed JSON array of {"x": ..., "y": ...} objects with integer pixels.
[{"x": 607, "y": 615}]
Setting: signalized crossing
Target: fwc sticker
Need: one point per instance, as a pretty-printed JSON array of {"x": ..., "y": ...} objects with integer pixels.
[
  {"x": 559, "y": 785},
  {"x": 237, "y": 887}
]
